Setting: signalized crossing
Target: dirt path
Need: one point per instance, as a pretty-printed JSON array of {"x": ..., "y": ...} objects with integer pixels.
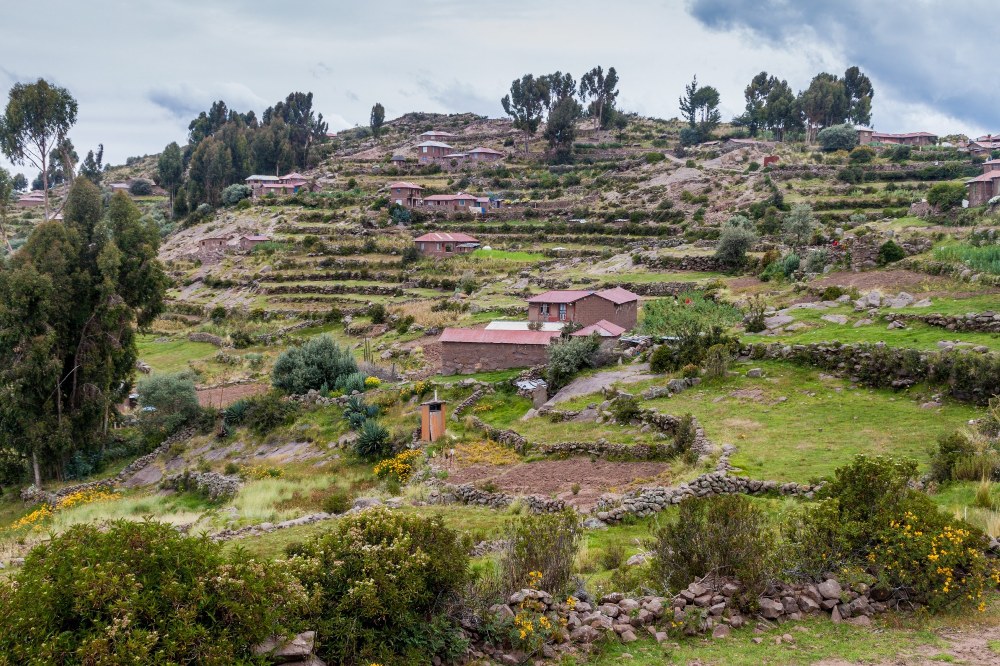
[
  {"x": 628, "y": 374},
  {"x": 224, "y": 396}
]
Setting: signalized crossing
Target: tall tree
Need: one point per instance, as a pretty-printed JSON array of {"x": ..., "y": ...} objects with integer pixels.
[
  {"x": 525, "y": 104},
  {"x": 602, "y": 91},
  {"x": 558, "y": 87},
  {"x": 170, "y": 171},
  {"x": 70, "y": 302},
  {"x": 6, "y": 199},
  {"x": 62, "y": 163},
  {"x": 377, "y": 119},
  {"x": 700, "y": 107},
  {"x": 20, "y": 183},
  {"x": 782, "y": 110},
  {"x": 754, "y": 116},
  {"x": 93, "y": 165},
  {"x": 560, "y": 129},
  {"x": 37, "y": 118},
  {"x": 824, "y": 103},
  {"x": 304, "y": 126},
  {"x": 859, "y": 91}
]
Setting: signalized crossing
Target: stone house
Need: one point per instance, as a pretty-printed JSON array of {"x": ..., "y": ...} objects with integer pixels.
[
  {"x": 455, "y": 202},
  {"x": 428, "y": 151},
  {"x": 469, "y": 350},
  {"x": 250, "y": 242},
  {"x": 867, "y": 135},
  {"x": 31, "y": 199},
  {"x": 437, "y": 135},
  {"x": 439, "y": 244},
  {"x": 213, "y": 243},
  {"x": 986, "y": 185},
  {"x": 278, "y": 185},
  {"x": 616, "y": 306}
]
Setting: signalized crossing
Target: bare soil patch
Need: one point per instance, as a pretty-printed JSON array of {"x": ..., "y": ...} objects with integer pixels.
[
  {"x": 223, "y": 396},
  {"x": 556, "y": 477},
  {"x": 895, "y": 281}
]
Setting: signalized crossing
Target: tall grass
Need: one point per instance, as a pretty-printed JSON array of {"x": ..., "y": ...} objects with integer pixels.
[
  {"x": 984, "y": 258},
  {"x": 668, "y": 317}
]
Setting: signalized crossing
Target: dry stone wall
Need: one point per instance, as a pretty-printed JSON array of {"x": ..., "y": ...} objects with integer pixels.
[{"x": 983, "y": 322}]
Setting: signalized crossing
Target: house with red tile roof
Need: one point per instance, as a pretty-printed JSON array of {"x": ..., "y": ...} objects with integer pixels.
[
  {"x": 454, "y": 202},
  {"x": 440, "y": 244},
  {"x": 986, "y": 185},
  {"x": 617, "y": 306},
  {"x": 405, "y": 194},
  {"x": 288, "y": 184},
  {"x": 469, "y": 350},
  {"x": 867, "y": 135},
  {"x": 428, "y": 151},
  {"x": 250, "y": 242}
]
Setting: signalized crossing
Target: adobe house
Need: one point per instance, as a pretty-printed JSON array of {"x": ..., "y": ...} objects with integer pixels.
[
  {"x": 864, "y": 135},
  {"x": 917, "y": 139},
  {"x": 986, "y": 185},
  {"x": 31, "y": 199},
  {"x": 250, "y": 242},
  {"x": 484, "y": 155},
  {"x": 470, "y": 350},
  {"x": 428, "y": 151},
  {"x": 984, "y": 145},
  {"x": 213, "y": 243},
  {"x": 605, "y": 330},
  {"x": 454, "y": 202},
  {"x": 257, "y": 183},
  {"x": 617, "y": 306},
  {"x": 398, "y": 160},
  {"x": 289, "y": 184},
  {"x": 405, "y": 194},
  {"x": 438, "y": 244}
]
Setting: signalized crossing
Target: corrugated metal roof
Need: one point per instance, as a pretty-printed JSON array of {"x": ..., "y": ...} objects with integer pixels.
[
  {"x": 486, "y": 150},
  {"x": 262, "y": 178},
  {"x": 501, "y": 325},
  {"x": 618, "y": 296},
  {"x": 448, "y": 238},
  {"x": 560, "y": 296},
  {"x": 495, "y": 337},
  {"x": 433, "y": 144},
  {"x": 404, "y": 185}
]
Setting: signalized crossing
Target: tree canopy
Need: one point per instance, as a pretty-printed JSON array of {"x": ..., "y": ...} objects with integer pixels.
[
  {"x": 36, "y": 120},
  {"x": 70, "y": 302},
  {"x": 377, "y": 119},
  {"x": 602, "y": 90},
  {"x": 525, "y": 103},
  {"x": 700, "y": 107}
]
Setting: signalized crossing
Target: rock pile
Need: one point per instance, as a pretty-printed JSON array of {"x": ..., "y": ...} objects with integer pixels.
[
  {"x": 982, "y": 322},
  {"x": 212, "y": 484},
  {"x": 296, "y": 650},
  {"x": 500, "y": 435},
  {"x": 467, "y": 493}
]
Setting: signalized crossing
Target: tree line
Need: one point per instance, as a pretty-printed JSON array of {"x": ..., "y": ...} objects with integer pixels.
[
  {"x": 226, "y": 146},
  {"x": 553, "y": 98},
  {"x": 772, "y": 106}
]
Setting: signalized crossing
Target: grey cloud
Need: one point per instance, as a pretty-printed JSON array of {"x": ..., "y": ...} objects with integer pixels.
[
  {"x": 928, "y": 53},
  {"x": 459, "y": 97},
  {"x": 351, "y": 95},
  {"x": 184, "y": 101}
]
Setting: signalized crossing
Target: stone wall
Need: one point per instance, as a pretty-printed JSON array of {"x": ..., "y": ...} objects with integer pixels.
[
  {"x": 206, "y": 337},
  {"x": 468, "y": 402},
  {"x": 707, "y": 263},
  {"x": 983, "y": 322},
  {"x": 211, "y": 484},
  {"x": 467, "y": 493},
  {"x": 499, "y": 435},
  {"x": 472, "y": 357}
]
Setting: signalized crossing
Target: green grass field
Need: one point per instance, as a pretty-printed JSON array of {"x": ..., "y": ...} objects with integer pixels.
[{"x": 172, "y": 355}]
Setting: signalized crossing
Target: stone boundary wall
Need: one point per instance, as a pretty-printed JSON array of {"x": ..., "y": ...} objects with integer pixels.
[
  {"x": 206, "y": 337},
  {"x": 467, "y": 403},
  {"x": 467, "y": 493},
  {"x": 956, "y": 271},
  {"x": 707, "y": 263},
  {"x": 984, "y": 322},
  {"x": 500, "y": 435},
  {"x": 212, "y": 484},
  {"x": 35, "y": 495},
  {"x": 647, "y": 501}
]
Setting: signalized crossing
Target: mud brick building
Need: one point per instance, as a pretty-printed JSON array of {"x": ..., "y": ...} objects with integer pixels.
[{"x": 617, "y": 306}]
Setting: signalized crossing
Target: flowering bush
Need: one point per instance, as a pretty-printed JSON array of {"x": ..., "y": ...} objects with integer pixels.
[
  {"x": 37, "y": 518},
  {"x": 34, "y": 519},
  {"x": 382, "y": 580},
  {"x": 400, "y": 467},
  {"x": 372, "y": 382},
  {"x": 258, "y": 472},
  {"x": 142, "y": 593}
]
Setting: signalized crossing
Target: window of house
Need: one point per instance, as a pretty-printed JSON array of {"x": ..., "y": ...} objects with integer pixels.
[
  {"x": 543, "y": 309},
  {"x": 425, "y": 149},
  {"x": 562, "y": 312},
  {"x": 447, "y": 247}
]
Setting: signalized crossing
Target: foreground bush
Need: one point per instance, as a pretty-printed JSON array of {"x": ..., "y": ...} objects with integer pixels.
[
  {"x": 570, "y": 356},
  {"x": 315, "y": 365},
  {"x": 383, "y": 580},
  {"x": 173, "y": 402},
  {"x": 140, "y": 593},
  {"x": 726, "y": 535},
  {"x": 540, "y": 551}
]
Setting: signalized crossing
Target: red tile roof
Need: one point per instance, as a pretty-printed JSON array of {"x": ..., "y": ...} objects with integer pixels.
[
  {"x": 257, "y": 238},
  {"x": 560, "y": 296},
  {"x": 985, "y": 177},
  {"x": 486, "y": 150},
  {"x": 404, "y": 185},
  {"x": 497, "y": 337},
  {"x": 618, "y": 296},
  {"x": 449, "y": 197},
  {"x": 604, "y": 328},
  {"x": 448, "y": 238},
  {"x": 904, "y": 135}
]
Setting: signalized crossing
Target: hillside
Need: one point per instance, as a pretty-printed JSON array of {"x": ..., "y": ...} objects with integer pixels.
[{"x": 876, "y": 333}]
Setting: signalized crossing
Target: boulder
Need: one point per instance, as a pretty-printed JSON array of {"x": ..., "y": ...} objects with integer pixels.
[
  {"x": 281, "y": 651},
  {"x": 830, "y": 589},
  {"x": 771, "y": 609}
]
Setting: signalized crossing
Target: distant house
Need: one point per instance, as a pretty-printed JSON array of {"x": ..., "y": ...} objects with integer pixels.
[
  {"x": 250, "y": 242},
  {"x": 617, "y": 306},
  {"x": 31, "y": 199},
  {"x": 603, "y": 329},
  {"x": 455, "y": 202},
  {"x": 986, "y": 185},
  {"x": 469, "y": 350},
  {"x": 434, "y": 135},
  {"x": 428, "y": 151},
  {"x": 484, "y": 155},
  {"x": 437, "y": 244},
  {"x": 398, "y": 160},
  {"x": 984, "y": 145},
  {"x": 918, "y": 139},
  {"x": 120, "y": 187},
  {"x": 405, "y": 194},
  {"x": 284, "y": 185},
  {"x": 213, "y": 243}
]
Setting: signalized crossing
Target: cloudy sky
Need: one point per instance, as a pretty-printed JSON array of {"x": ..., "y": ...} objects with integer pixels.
[{"x": 142, "y": 70}]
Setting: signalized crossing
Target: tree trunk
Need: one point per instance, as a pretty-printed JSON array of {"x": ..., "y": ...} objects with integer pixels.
[
  {"x": 35, "y": 469},
  {"x": 45, "y": 181}
]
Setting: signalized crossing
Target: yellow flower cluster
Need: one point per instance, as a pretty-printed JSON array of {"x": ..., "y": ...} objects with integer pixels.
[
  {"x": 401, "y": 466},
  {"x": 524, "y": 625},
  {"x": 482, "y": 407},
  {"x": 88, "y": 496},
  {"x": 534, "y": 578},
  {"x": 258, "y": 472},
  {"x": 33, "y": 519},
  {"x": 372, "y": 382}
]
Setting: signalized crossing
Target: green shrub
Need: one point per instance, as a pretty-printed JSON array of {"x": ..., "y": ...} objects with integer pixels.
[
  {"x": 383, "y": 581},
  {"x": 890, "y": 252},
  {"x": 268, "y": 411},
  {"x": 756, "y": 314},
  {"x": 142, "y": 593},
  {"x": 726, "y": 535},
  {"x": 568, "y": 356},
  {"x": 140, "y": 188},
  {"x": 318, "y": 362},
  {"x": 862, "y": 154},
  {"x": 168, "y": 402},
  {"x": 377, "y": 313},
  {"x": 951, "y": 448},
  {"x": 684, "y": 435},
  {"x": 234, "y": 194},
  {"x": 337, "y": 502},
  {"x": 356, "y": 412},
  {"x": 716, "y": 362},
  {"x": 350, "y": 383},
  {"x": 832, "y": 293},
  {"x": 544, "y": 544},
  {"x": 734, "y": 242},
  {"x": 945, "y": 196},
  {"x": 372, "y": 442},
  {"x": 837, "y": 137},
  {"x": 654, "y": 158},
  {"x": 690, "y": 371},
  {"x": 625, "y": 408}
]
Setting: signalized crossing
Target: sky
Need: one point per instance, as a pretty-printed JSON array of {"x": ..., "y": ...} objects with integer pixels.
[{"x": 142, "y": 70}]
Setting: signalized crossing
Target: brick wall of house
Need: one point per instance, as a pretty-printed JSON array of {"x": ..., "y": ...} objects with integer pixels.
[
  {"x": 463, "y": 358},
  {"x": 438, "y": 248},
  {"x": 589, "y": 310},
  {"x": 981, "y": 192}
]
